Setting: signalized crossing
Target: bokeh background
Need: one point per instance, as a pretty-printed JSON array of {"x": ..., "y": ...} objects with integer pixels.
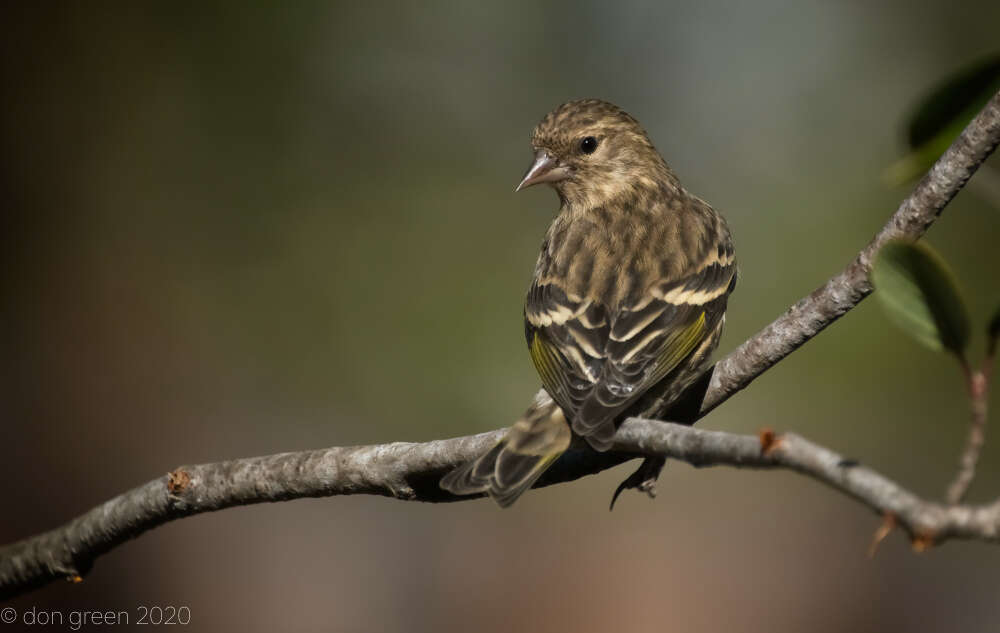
[{"x": 239, "y": 229}]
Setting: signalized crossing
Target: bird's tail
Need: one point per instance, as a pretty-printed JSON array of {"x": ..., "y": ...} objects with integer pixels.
[{"x": 508, "y": 469}]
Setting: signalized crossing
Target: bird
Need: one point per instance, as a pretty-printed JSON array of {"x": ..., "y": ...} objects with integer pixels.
[{"x": 627, "y": 301}]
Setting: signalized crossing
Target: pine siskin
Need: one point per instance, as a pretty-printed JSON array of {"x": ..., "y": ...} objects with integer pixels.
[{"x": 628, "y": 297}]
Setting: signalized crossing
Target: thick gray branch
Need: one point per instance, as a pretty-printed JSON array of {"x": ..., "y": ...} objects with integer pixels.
[{"x": 411, "y": 471}]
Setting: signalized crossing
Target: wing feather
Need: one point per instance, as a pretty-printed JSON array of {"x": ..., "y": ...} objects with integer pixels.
[{"x": 595, "y": 362}]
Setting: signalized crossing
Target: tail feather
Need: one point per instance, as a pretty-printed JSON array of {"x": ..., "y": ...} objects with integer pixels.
[
  {"x": 515, "y": 463},
  {"x": 473, "y": 477},
  {"x": 500, "y": 473}
]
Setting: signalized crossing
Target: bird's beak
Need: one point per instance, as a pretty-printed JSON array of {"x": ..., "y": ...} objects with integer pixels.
[{"x": 544, "y": 169}]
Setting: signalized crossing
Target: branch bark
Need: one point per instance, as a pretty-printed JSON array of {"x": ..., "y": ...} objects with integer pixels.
[{"x": 411, "y": 471}]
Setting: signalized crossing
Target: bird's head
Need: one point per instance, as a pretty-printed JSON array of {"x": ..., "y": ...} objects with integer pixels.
[{"x": 591, "y": 150}]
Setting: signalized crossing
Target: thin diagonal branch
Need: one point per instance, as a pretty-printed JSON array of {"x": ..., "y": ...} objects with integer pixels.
[
  {"x": 411, "y": 471},
  {"x": 829, "y": 302}
]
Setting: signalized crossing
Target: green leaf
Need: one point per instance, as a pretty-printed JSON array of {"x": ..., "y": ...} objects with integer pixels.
[
  {"x": 970, "y": 85},
  {"x": 942, "y": 114},
  {"x": 920, "y": 295},
  {"x": 993, "y": 329}
]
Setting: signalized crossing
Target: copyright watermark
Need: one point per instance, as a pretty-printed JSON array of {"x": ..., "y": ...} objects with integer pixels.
[{"x": 76, "y": 620}]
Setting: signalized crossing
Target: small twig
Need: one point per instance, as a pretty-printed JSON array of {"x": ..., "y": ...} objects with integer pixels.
[
  {"x": 977, "y": 384},
  {"x": 887, "y": 526}
]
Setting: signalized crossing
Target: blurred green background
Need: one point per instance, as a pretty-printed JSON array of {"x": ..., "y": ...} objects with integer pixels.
[{"x": 239, "y": 229}]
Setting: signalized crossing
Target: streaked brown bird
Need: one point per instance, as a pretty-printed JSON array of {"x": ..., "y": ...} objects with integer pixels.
[{"x": 628, "y": 297}]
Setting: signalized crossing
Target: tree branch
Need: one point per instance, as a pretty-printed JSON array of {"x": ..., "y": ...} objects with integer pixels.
[
  {"x": 411, "y": 471},
  {"x": 926, "y": 522},
  {"x": 829, "y": 302}
]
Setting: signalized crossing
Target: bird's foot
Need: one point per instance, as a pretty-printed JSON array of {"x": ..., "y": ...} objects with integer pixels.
[{"x": 643, "y": 479}]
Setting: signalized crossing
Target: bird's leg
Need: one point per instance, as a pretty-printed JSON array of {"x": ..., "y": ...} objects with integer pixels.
[
  {"x": 643, "y": 479},
  {"x": 683, "y": 400}
]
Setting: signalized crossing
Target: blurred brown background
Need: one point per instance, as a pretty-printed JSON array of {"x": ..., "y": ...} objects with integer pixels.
[{"x": 239, "y": 229}]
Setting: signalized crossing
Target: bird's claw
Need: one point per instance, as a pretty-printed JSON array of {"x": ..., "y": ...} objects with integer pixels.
[
  {"x": 643, "y": 479},
  {"x": 649, "y": 487}
]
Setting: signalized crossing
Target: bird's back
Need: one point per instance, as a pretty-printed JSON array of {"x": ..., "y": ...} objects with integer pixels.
[{"x": 623, "y": 293}]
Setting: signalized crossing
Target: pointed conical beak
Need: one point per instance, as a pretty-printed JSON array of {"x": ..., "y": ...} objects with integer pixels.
[{"x": 544, "y": 169}]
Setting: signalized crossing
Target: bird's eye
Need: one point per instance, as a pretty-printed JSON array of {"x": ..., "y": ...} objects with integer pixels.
[{"x": 588, "y": 144}]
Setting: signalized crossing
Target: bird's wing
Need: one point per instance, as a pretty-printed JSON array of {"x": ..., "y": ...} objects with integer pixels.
[
  {"x": 595, "y": 363},
  {"x": 566, "y": 339}
]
